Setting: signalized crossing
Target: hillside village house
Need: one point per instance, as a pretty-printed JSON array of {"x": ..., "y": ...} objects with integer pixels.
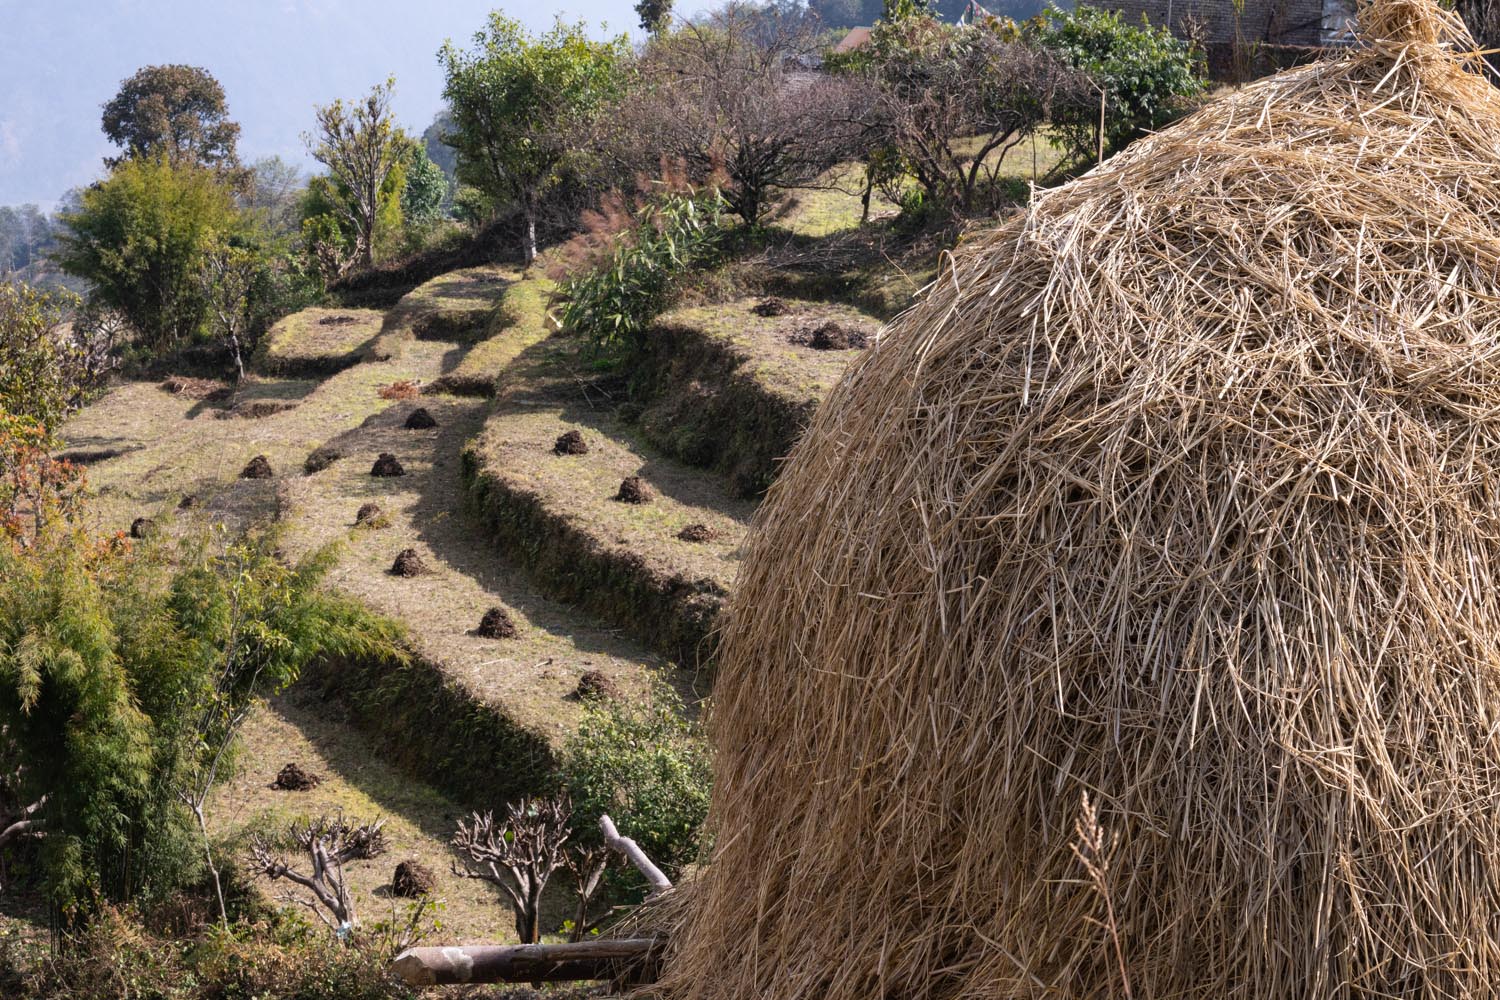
[{"x": 1274, "y": 22}]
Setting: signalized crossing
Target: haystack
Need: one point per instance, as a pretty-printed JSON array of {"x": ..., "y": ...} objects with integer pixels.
[{"x": 1181, "y": 493}]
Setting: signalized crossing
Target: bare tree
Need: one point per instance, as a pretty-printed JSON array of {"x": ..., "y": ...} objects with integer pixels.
[
  {"x": 952, "y": 102},
  {"x": 520, "y": 854},
  {"x": 734, "y": 95},
  {"x": 587, "y": 865},
  {"x": 327, "y": 844},
  {"x": 360, "y": 144},
  {"x": 227, "y": 277}
]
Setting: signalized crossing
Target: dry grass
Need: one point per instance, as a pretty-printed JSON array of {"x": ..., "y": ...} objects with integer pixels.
[
  {"x": 170, "y": 445},
  {"x": 418, "y": 820},
  {"x": 520, "y": 321},
  {"x": 318, "y": 341},
  {"x": 1179, "y": 491},
  {"x": 530, "y": 678},
  {"x": 763, "y": 344}
]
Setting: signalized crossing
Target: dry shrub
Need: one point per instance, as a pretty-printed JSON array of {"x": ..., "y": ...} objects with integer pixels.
[
  {"x": 1181, "y": 490},
  {"x": 402, "y": 389}
]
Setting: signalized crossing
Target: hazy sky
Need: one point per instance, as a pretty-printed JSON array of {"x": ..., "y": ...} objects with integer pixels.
[{"x": 60, "y": 60}]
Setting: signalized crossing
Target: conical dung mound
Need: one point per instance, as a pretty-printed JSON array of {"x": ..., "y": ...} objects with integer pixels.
[{"x": 1181, "y": 492}]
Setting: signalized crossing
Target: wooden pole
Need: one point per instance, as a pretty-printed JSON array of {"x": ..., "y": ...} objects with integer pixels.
[
  {"x": 659, "y": 882},
  {"x": 625, "y": 958}
]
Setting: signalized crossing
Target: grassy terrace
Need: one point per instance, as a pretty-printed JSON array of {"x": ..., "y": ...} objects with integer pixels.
[
  {"x": 457, "y": 306},
  {"x": 558, "y": 514},
  {"x": 730, "y": 390},
  {"x": 519, "y": 321},
  {"x": 318, "y": 342}
]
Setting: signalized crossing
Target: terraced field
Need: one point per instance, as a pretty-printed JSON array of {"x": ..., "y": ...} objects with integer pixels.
[{"x": 596, "y": 518}]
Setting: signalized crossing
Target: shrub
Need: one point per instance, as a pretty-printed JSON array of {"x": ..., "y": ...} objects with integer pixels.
[
  {"x": 43, "y": 374},
  {"x": 613, "y": 302},
  {"x": 647, "y": 767},
  {"x": 1146, "y": 73}
]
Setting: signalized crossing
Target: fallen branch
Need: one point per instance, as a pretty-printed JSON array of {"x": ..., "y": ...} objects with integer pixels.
[
  {"x": 659, "y": 882},
  {"x": 626, "y": 958}
]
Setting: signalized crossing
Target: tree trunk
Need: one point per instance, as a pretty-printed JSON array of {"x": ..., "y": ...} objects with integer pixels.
[
  {"x": 529, "y": 250},
  {"x": 626, "y": 958}
]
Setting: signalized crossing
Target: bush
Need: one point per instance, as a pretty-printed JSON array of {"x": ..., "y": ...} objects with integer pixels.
[
  {"x": 43, "y": 374},
  {"x": 1147, "y": 73},
  {"x": 647, "y": 767},
  {"x": 613, "y": 302},
  {"x": 116, "y": 956},
  {"x": 124, "y": 668}
]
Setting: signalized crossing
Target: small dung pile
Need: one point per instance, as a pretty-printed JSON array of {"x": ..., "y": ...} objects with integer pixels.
[
  {"x": 292, "y": 778},
  {"x": 596, "y": 684},
  {"x": 1178, "y": 493},
  {"x": 409, "y": 562},
  {"x": 697, "y": 533},
  {"x": 321, "y": 458},
  {"x": 421, "y": 419},
  {"x": 258, "y": 467},
  {"x": 413, "y": 880},
  {"x": 634, "y": 489},
  {"x": 387, "y": 466},
  {"x": 496, "y": 624},
  {"x": 570, "y": 443},
  {"x": 832, "y": 336},
  {"x": 370, "y": 516},
  {"x": 770, "y": 307}
]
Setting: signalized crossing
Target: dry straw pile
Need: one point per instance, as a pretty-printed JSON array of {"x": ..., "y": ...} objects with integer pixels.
[{"x": 1182, "y": 491}]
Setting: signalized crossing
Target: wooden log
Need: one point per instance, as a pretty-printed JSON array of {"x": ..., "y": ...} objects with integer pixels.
[{"x": 625, "y": 958}]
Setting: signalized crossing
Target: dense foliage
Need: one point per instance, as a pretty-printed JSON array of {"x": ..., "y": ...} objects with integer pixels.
[
  {"x": 123, "y": 670},
  {"x": 613, "y": 301},
  {"x": 647, "y": 767},
  {"x": 139, "y": 238},
  {"x": 1145, "y": 74}
]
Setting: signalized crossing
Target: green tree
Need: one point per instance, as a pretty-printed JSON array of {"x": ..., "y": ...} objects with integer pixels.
[
  {"x": 513, "y": 100},
  {"x": 1144, "y": 74},
  {"x": 360, "y": 144},
  {"x": 425, "y": 190},
  {"x": 655, "y": 15},
  {"x": 139, "y": 238},
  {"x": 177, "y": 112}
]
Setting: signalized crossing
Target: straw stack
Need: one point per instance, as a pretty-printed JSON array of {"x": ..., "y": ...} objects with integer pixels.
[{"x": 1181, "y": 493}]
